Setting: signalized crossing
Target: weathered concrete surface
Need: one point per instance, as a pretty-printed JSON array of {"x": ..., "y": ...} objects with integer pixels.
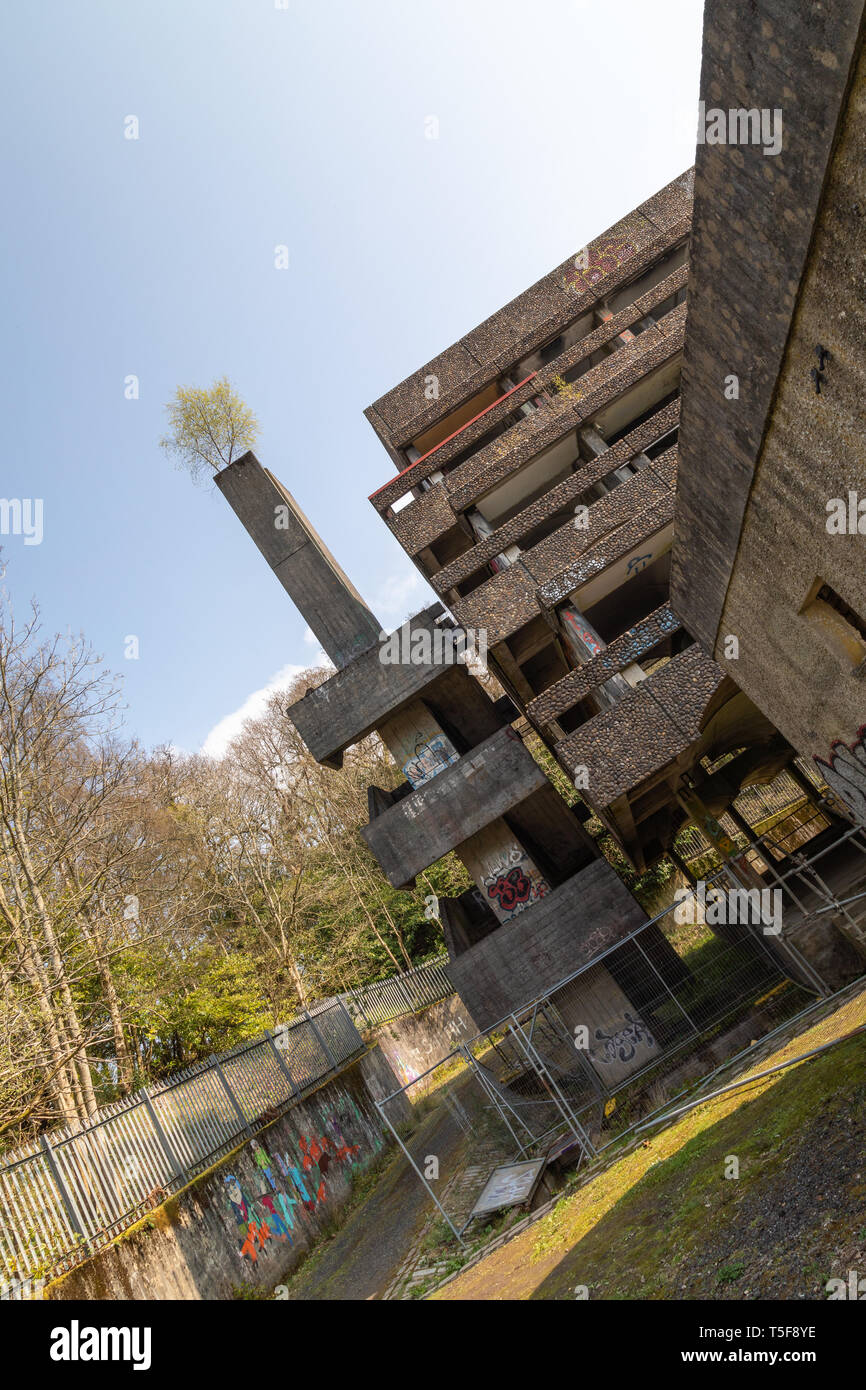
[
  {"x": 306, "y": 569},
  {"x": 248, "y": 1221},
  {"x": 754, "y": 216},
  {"x": 461, "y": 800},
  {"x": 544, "y": 943},
  {"x": 361, "y": 697},
  {"x": 414, "y": 1042},
  {"x": 802, "y": 662},
  {"x": 562, "y": 495},
  {"x": 535, "y": 316},
  {"x": 648, "y": 728}
]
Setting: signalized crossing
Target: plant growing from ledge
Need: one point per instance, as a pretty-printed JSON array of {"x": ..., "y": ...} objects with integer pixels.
[{"x": 208, "y": 428}]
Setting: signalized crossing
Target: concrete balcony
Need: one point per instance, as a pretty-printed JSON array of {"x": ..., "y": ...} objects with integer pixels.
[
  {"x": 565, "y": 494},
  {"x": 361, "y": 697},
  {"x": 628, "y": 529}
]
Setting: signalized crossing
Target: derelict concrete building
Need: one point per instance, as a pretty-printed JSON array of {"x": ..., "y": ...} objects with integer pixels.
[
  {"x": 770, "y": 537},
  {"x": 545, "y": 899},
  {"x": 536, "y": 480},
  {"x": 536, "y": 488}
]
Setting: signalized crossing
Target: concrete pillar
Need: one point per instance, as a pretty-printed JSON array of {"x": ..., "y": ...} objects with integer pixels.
[{"x": 304, "y": 566}]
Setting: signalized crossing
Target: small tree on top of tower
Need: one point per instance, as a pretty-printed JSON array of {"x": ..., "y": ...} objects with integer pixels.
[{"x": 208, "y": 428}]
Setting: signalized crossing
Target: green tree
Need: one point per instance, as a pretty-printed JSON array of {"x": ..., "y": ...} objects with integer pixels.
[{"x": 208, "y": 428}]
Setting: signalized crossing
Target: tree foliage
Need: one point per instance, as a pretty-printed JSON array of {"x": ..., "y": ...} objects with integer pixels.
[
  {"x": 156, "y": 908},
  {"x": 208, "y": 427}
]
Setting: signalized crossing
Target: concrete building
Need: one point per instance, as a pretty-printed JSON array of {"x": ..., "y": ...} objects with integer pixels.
[
  {"x": 546, "y": 900},
  {"x": 536, "y": 489},
  {"x": 769, "y": 567},
  {"x": 537, "y": 478}
]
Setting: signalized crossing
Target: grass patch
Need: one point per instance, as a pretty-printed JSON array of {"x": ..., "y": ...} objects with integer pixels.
[{"x": 664, "y": 1221}]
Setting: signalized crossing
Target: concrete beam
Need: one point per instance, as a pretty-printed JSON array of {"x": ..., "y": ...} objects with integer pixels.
[
  {"x": 441, "y": 815},
  {"x": 360, "y": 698},
  {"x": 544, "y": 943}
]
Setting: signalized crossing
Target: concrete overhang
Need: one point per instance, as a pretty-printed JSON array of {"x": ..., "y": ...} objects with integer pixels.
[
  {"x": 355, "y": 701},
  {"x": 544, "y": 943},
  {"x": 467, "y": 796}
]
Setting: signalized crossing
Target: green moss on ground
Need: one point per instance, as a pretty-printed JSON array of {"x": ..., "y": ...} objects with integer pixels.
[{"x": 665, "y": 1222}]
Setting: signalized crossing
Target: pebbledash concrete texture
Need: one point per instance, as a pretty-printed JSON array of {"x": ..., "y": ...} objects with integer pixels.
[{"x": 241, "y": 1227}]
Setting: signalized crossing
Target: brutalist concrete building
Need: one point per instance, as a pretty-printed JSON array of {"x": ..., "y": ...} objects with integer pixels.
[
  {"x": 545, "y": 901},
  {"x": 770, "y": 535},
  {"x": 536, "y": 488}
]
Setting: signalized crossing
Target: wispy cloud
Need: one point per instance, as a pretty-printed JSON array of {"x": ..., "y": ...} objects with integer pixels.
[
  {"x": 255, "y": 705},
  {"x": 401, "y": 594}
]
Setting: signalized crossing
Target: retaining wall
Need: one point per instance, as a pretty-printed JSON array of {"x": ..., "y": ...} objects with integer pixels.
[
  {"x": 412, "y": 1043},
  {"x": 245, "y": 1224}
]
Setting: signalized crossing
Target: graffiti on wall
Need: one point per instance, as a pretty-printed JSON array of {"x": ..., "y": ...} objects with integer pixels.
[
  {"x": 293, "y": 1184},
  {"x": 622, "y": 1044},
  {"x": 845, "y": 772},
  {"x": 595, "y": 262},
  {"x": 514, "y": 883}
]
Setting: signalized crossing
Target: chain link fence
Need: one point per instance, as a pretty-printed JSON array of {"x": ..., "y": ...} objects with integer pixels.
[{"x": 573, "y": 1070}]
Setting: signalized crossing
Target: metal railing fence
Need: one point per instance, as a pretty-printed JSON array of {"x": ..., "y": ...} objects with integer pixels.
[
  {"x": 69, "y": 1193},
  {"x": 74, "y": 1190},
  {"x": 399, "y": 994}
]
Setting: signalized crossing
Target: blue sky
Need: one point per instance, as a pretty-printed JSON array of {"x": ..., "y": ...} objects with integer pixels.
[{"x": 262, "y": 126}]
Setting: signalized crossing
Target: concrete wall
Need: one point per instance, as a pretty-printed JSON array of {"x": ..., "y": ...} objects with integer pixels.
[
  {"x": 795, "y": 660},
  {"x": 249, "y": 1220},
  {"x": 545, "y": 942},
  {"x": 413, "y": 1043},
  {"x": 753, "y": 220},
  {"x": 777, "y": 256}
]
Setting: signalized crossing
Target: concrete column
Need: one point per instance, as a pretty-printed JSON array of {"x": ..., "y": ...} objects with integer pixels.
[{"x": 304, "y": 566}]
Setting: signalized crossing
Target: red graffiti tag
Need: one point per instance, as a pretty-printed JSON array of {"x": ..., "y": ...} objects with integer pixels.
[{"x": 511, "y": 889}]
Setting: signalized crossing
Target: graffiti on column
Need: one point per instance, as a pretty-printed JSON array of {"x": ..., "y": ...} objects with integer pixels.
[
  {"x": 514, "y": 883},
  {"x": 430, "y": 756},
  {"x": 844, "y": 771},
  {"x": 622, "y": 1044}
]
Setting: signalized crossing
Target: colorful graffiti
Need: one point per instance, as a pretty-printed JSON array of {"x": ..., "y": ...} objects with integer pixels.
[
  {"x": 845, "y": 772},
  {"x": 430, "y": 756},
  {"x": 511, "y": 889},
  {"x": 292, "y": 1184},
  {"x": 623, "y": 1044}
]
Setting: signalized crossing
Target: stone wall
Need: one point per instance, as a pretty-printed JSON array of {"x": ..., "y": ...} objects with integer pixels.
[{"x": 245, "y": 1224}]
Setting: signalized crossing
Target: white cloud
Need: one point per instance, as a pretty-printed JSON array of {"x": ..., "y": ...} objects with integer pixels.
[
  {"x": 253, "y": 706},
  {"x": 400, "y": 594}
]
